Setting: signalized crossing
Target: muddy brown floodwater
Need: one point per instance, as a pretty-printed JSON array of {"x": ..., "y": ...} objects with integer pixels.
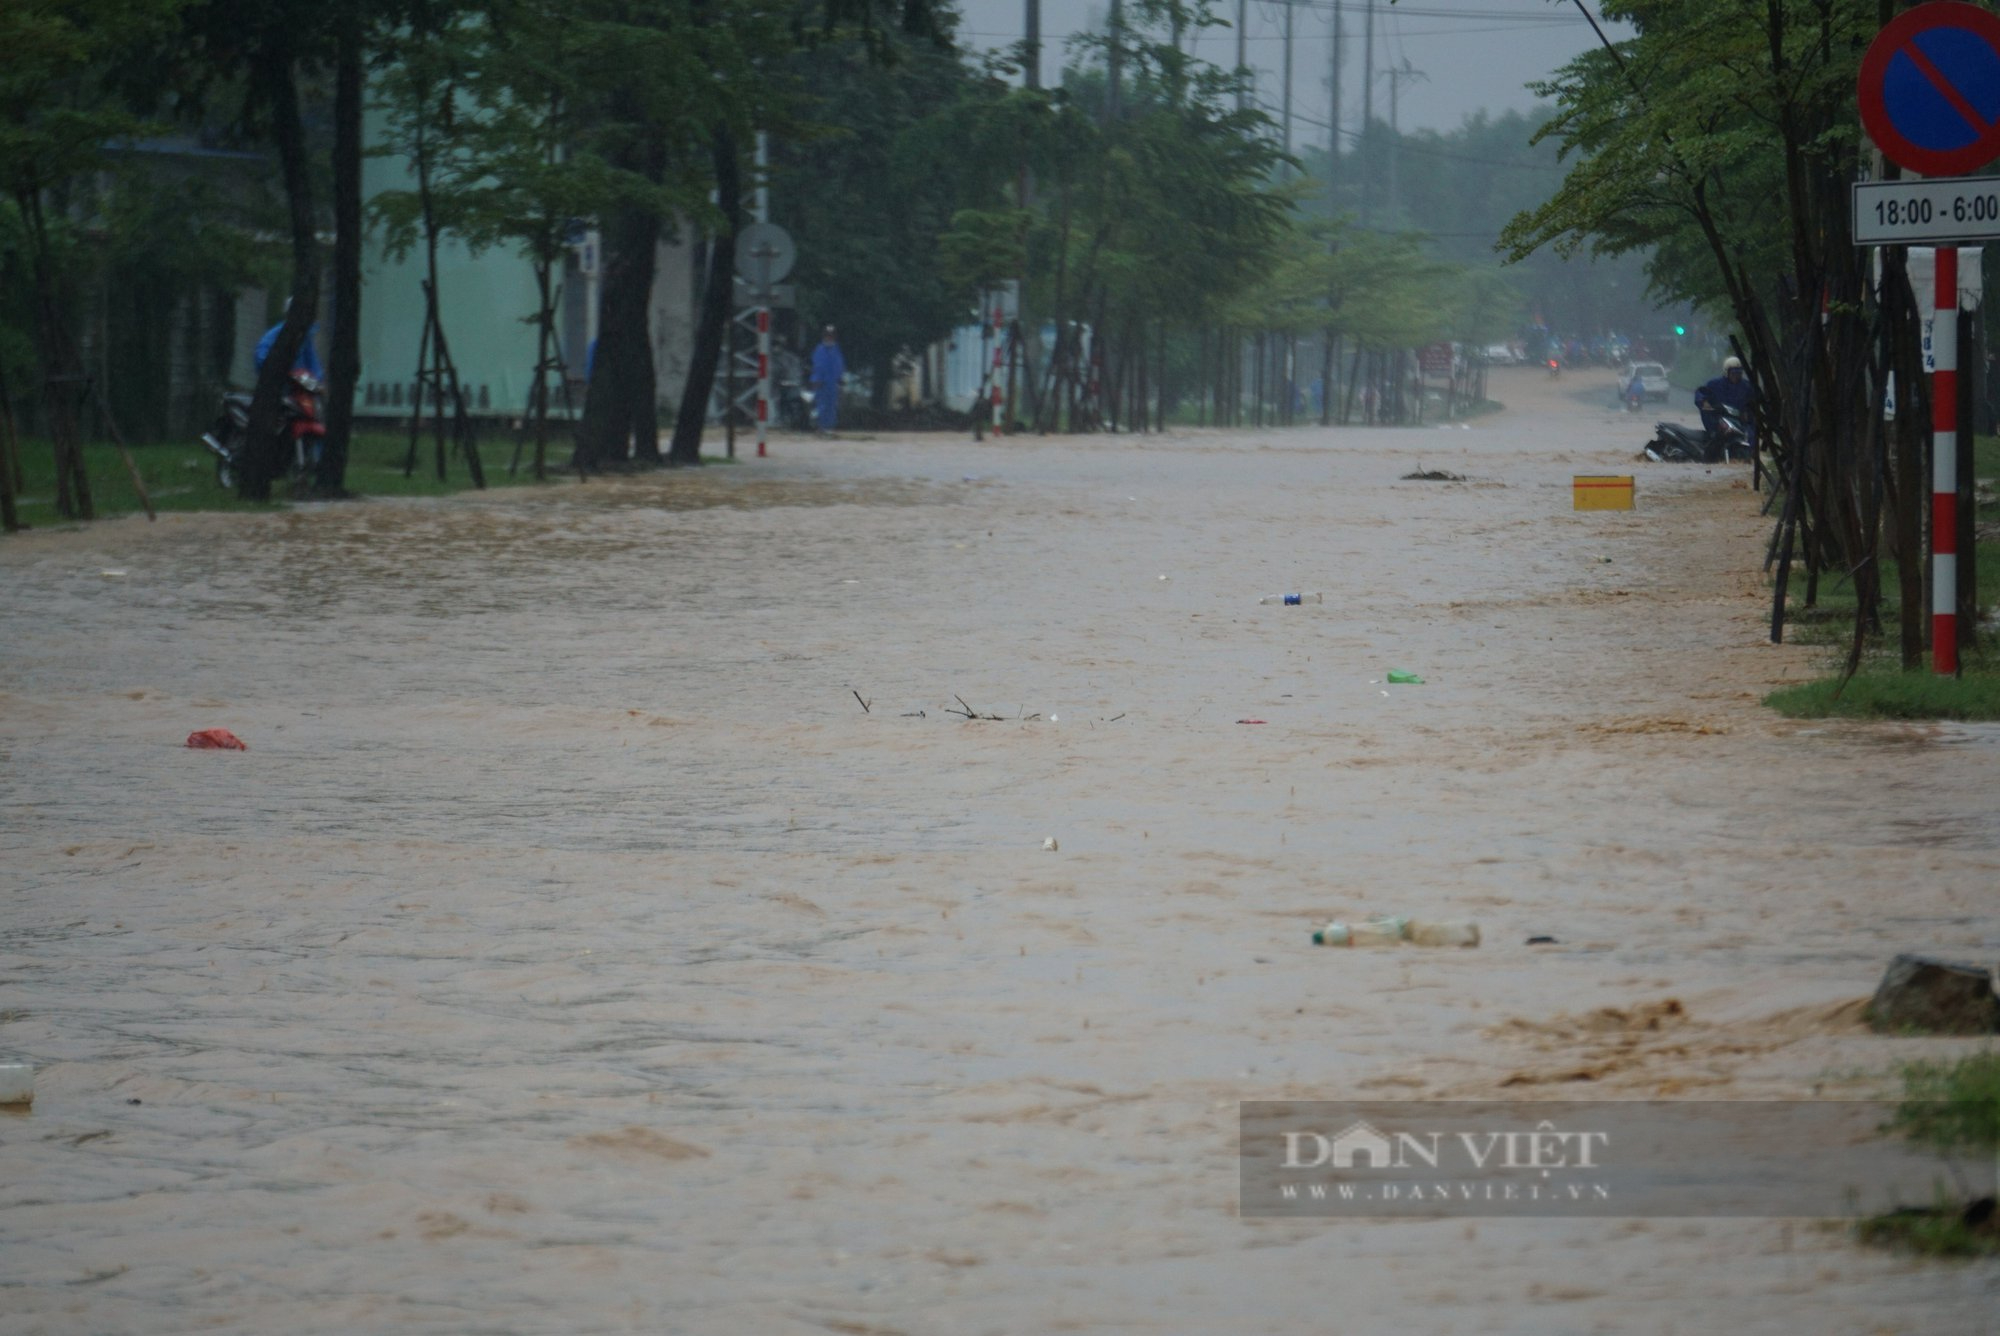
[{"x": 570, "y": 952}]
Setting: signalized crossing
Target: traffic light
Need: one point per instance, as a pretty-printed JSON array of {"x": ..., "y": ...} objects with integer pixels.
[{"x": 1680, "y": 331}]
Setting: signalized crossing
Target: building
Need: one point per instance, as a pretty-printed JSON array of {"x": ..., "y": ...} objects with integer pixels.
[{"x": 487, "y": 303}]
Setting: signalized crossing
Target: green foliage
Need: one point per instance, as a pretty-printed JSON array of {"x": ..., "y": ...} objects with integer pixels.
[
  {"x": 896, "y": 223},
  {"x": 58, "y": 115},
  {"x": 1459, "y": 189},
  {"x": 1941, "y": 1231},
  {"x": 1686, "y": 118},
  {"x": 1954, "y": 1109},
  {"x": 1372, "y": 288}
]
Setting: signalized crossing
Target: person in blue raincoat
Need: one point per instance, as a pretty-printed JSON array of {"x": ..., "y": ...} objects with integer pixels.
[
  {"x": 1732, "y": 389},
  {"x": 308, "y": 358},
  {"x": 829, "y": 368}
]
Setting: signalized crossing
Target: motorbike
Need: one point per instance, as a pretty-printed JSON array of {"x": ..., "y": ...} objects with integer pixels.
[
  {"x": 1678, "y": 443},
  {"x": 1555, "y": 367},
  {"x": 795, "y": 406},
  {"x": 302, "y": 430}
]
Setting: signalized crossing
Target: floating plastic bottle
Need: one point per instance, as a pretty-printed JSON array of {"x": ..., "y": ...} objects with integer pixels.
[
  {"x": 1404, "y": 677},
  {"x": 1374, "y": 932},
  {"x": 1293, "y": 600},
  {"x": 1392, "y": 931},
  {"x": 1442, "y": 932}
]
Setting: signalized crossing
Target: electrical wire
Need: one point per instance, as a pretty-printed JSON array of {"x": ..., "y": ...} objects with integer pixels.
[{"x": 1407, "y": 147}]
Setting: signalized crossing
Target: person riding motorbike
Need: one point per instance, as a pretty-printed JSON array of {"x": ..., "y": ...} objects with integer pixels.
[{"x": 1731, "y": 390}]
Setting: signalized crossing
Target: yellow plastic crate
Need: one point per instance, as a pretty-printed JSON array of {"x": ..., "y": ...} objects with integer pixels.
[{"x": 1602, "y": 491}]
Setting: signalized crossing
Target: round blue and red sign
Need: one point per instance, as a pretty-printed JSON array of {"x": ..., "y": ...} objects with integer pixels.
[{"x": 1930, "y": 88}]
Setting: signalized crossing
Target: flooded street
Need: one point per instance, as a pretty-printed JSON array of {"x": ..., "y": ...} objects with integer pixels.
[{"x": 571, "y": 951}]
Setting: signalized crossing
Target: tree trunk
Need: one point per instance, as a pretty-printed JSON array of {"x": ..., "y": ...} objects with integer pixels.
[
  {"x": 545, "y": 317},
  {"x": 12, "y": 461},
  {"x": 263, "y": 453},
  {"x": 622, "y": 405},
  {"x": 343, "y": 362},
  {"x": 1328, "y": 359},
  {"x": 715, "y": 301},
  {"x": 881, "y": 377},
  {"x": 62, "y": 372},
  {"x": 1911, "y": 485}
]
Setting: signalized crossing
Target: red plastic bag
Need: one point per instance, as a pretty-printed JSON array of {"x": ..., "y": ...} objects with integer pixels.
[{"x": 215, "y": 739}]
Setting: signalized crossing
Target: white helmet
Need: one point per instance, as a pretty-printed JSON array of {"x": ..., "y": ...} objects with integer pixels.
[{"x": 1732, "y": 364}]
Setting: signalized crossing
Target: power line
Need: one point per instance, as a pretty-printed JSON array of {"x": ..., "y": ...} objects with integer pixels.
[{"x": 1354, "y": 136}]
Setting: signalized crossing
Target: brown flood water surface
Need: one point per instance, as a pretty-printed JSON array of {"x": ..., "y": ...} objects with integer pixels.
[{"x": 571, "y": 952}]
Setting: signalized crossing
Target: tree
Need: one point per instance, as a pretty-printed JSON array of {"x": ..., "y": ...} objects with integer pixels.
[
  {"x": 265, "y": 47},
  {"x": 1723, "y": 137},
  {"x": 870, "y": 191},
  {"x": 526, "y": 186},
  {"x": 422, "y": 92},
  {"x": 58, "y": 116},
  {"x": 746, "y": 44},
  {"x": 674, "y": 85}
]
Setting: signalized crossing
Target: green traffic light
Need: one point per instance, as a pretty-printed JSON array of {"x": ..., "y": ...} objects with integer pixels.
[{"x": 1680, "y": 330}]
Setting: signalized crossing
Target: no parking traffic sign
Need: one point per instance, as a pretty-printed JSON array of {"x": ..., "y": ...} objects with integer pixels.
[{"x": 1930, "y": 88}]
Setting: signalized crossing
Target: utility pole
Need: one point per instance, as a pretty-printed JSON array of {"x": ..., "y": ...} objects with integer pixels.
[
  {"x": 1367, "y": 109},
  {"x": 1287, "y": 115},
  {"x": 1026, "y": 329},
  {"x": 1113, "y": 93},
  {"x": 1333, "y": 111},
  {"x": 1242, "y": 52},
  {"x": 1289, "y": 13},
  {"x": 1031, "y": 45},
  {"x": 1396, "y": 79}
]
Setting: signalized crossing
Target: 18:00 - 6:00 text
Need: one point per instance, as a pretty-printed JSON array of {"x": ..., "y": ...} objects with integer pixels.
[{"x": 1917, "y": 212}]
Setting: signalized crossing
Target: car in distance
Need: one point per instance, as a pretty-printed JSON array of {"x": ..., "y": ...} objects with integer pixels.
[
  {"x": 1652, "y": 379},
  {"x": 1499, "y": 354}
]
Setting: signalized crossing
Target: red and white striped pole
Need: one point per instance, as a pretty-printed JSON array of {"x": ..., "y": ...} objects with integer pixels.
[
  {"x": 1944, "y": 466},
  {"x": 999, "y": 361},
  {"x": 763, "y": 376}
]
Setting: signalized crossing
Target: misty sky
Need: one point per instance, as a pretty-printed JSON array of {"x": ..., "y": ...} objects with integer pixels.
[{"x": 1466, "y": 54}]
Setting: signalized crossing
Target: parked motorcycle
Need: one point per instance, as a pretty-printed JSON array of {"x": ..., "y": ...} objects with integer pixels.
[
  {"x": 795, "y": 406},
  {"x": 302, "y": 430},
  {"x": 1678, "y": 443}
]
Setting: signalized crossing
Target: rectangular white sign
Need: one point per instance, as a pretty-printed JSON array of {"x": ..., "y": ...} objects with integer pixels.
[{"x": 1944, "y": 209}]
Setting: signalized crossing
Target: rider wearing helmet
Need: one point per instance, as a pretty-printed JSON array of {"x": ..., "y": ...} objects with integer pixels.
[{"x": 1733, "y": 390}]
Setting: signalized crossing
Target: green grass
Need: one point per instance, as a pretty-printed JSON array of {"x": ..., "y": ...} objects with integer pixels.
[
  {"x": 1880, "y": 688},
  {"x": 182, "y": 477},
  {"x": 1939, "y": 1232},
  {"x": 1891, "y": 693},
  {"x": 1954, "y": 1108}
]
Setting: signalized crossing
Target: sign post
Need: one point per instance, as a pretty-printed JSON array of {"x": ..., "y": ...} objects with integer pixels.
[
  {"x": 1929, "y": 93},
  {"x": 765, "y": 253}
]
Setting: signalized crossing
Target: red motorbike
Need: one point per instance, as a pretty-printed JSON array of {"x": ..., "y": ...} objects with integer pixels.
[{"x": 302, "y": 428}]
